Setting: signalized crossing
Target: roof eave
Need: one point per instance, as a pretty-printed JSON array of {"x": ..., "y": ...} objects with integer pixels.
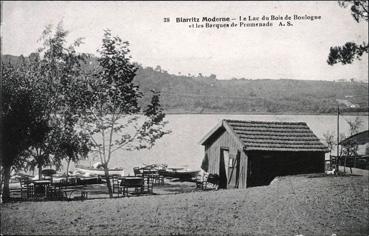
[
  {"x": 222, "y": 123},
  {"x": 231, "y": 131},
  {"x": 287, "y": 150},
  {"x": 211, "y": 132}
]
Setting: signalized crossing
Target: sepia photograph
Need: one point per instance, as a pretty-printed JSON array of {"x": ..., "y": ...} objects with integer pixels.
[{"x": 184, "y": 118}]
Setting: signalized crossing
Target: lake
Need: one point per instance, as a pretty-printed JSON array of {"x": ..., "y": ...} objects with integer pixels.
[{"x": 182, "y": 147}]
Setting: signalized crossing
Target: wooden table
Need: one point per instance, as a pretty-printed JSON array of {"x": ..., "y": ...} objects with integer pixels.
[
  {"x": 153, "y": 175},
  {"x": 136, "y": 182},
  {"x": 40, "y": 187}
]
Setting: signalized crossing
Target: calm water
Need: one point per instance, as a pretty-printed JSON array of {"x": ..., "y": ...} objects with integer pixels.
[{"x": 182, "y": 148}]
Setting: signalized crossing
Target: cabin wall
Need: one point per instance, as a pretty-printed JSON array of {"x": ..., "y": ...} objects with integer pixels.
[
  {"x": 243, "y": 170},
  {"x": 265, "y": 166},
  {"x": 227, "y": 141}
]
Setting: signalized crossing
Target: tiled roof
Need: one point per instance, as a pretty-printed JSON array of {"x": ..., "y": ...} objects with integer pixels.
[
  {"x": 276, "y": 136},
  {"x": 359, "y": 138}
]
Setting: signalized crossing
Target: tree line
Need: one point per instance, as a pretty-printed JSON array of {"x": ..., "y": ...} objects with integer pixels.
[{"x": 207, "y": 94}]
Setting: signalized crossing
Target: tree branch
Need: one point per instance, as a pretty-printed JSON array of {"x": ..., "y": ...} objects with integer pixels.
[{"x": 129, "y": 140}]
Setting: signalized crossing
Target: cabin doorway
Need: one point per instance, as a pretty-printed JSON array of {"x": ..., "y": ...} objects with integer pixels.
[
  {"x": 233, "y": 170},
  {"x": 223, "y": 167},
  {"x": 228, "y": 169}
]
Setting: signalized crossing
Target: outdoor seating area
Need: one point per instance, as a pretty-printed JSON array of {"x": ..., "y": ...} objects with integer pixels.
[
  {"x": 45, "y": 189},
  {"x": 142, "y": 182},
  {"x": 147, "y": 180},
  {"x": 51, "y": 186}
]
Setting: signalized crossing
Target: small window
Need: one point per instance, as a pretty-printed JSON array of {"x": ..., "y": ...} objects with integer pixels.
[{"x": 231, "y": 161}]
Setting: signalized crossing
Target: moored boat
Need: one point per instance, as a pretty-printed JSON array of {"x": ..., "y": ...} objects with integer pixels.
[
  {"x": 179, "y": 173},
  {"x": 92, "y": 171}
]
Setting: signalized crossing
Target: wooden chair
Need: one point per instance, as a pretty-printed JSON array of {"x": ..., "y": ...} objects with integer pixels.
[
  {"x": 116, "y": 184},
  {"x": 202, "y": 181},
  {"x": 148, "y": 184},
  {"x": 52, "y": 193},
  {"x": 154, "y": 175},
  {"x": 208, "y": 181},
  {"x": 213, "y": 181},
  {"x": 23, "y": 188},
  {"x": 27, "y": 189},
  {"x": 63, "y": 183},
  {"x": 160, "y": 179}
]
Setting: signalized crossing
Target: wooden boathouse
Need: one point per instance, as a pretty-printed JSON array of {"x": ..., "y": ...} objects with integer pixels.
[
  {"x": 253, "y": 153},
  {"x": 361, "y": 140},
  {"x": 356, "y": 151}
]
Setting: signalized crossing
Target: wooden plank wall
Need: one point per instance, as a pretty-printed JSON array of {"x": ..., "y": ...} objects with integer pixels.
[
  {"x": 243, "y": 170},
  {"x": 226, "y": 140}
]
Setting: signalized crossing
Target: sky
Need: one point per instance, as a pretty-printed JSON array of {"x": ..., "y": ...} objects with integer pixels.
[{"x": 290, "y": 52}]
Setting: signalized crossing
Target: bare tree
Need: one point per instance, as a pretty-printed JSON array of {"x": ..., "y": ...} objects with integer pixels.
[
  {"x": 330, "y": 140},
  {"x": 355, "y": 125}
]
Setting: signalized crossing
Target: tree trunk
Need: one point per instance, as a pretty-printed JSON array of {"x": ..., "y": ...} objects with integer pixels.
[
  {"x": 68, "y": 169},
  {"x": 1, "y": 180},
  {"x": 108, "y": 184},
  {"x": 6, "y": 190},
  {"x": 39, "y": 166}
]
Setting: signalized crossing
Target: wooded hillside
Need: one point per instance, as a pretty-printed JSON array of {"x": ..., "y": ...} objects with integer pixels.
[{"x": 207, "y": 94}]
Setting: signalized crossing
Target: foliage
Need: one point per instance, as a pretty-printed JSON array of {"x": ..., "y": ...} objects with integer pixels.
[
  {"x": 347, "y": 53},
  {"x": 111, "y": 110},
  {"x": 348, "y": 151},
  {"x": 355, "y": 125},
  {"x": 185, "y": 94},
  {"x": 359, "y": 9},
  {"x": 40, "y": 104},
  {"x": 58, "y": 73},
  {"x": 194, "y": 95},
  {"x": 351, "y": 51},
  {"x": 22, "y": 118},
  {"x": 349, "y": 148},
  {"x": 329, "y": 139}
]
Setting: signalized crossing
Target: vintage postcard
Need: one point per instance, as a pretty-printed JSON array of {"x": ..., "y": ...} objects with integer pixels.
[{"x": 184, "y": 117}]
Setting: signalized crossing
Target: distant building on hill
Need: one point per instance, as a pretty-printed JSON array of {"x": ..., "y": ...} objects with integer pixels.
[{"x": 253, "y": 153}]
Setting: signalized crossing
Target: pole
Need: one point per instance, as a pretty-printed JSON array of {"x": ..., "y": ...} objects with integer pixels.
[{"x": 338, "y": 135}]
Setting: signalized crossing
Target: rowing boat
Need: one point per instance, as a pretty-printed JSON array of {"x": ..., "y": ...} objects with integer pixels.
[
  {"x": 179, "y": 173},
  {"x": 92, "y": 171}
]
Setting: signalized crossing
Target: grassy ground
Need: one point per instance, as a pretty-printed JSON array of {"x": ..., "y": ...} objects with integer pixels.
[{"x": 289, "y": 206}]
